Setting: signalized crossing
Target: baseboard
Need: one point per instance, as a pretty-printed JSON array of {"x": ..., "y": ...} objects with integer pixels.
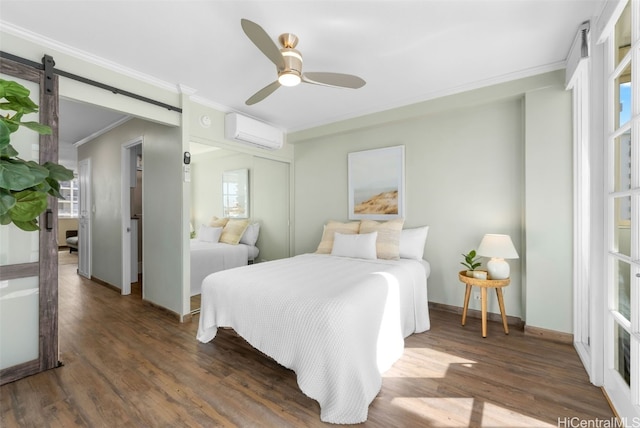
[
  {"x": 552, "y": 335},
  {"x": 169, "y": 312},
  {"x": 175, "y": 315},
  {"x": 106, "y": 284},
  {"x": 515, "y": 322},
  {"x": 613, "y": 409}
]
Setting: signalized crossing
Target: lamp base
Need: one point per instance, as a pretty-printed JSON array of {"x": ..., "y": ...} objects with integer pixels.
[{"x": 498, "y": 269}]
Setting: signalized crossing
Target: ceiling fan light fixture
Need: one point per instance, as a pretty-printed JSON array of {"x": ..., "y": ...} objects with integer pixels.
[
  {"x": 288, "y": 62},
  {"x": 289, "y": 78}
]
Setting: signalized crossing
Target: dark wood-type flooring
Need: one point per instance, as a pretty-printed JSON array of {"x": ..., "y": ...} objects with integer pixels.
[{"x": 128, "y": 364}]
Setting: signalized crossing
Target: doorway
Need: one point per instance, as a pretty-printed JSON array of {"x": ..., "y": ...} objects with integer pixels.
[{"x": 132, "y": 216}]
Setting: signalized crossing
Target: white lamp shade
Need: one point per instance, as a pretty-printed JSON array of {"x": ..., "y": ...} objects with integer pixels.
[{"x": 497, "y": 246}]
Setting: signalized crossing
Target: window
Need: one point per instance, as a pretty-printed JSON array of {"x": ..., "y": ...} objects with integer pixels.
[{"x": 68, "y": 207}]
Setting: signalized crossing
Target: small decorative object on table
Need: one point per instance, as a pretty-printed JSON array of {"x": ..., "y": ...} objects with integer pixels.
[{"x": 471, "y": 263}]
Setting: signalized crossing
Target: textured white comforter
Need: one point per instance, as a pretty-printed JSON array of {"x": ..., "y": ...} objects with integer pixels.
[
  {"x": 209, "y": 257},
  {"x": 338, "y": 322}
]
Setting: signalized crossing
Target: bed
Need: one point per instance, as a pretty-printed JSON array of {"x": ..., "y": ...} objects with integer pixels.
[
  {"x": 210, "y": 257},
  {"x": 210, "y": 254},
  {"x": 338, "y": 322}
]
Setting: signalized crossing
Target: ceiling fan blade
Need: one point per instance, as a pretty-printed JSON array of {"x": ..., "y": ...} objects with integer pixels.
[
  {"x": 334, "y": 79},
  {"x": 263, "y": 93},
  {"x": 261, "y": 39}
]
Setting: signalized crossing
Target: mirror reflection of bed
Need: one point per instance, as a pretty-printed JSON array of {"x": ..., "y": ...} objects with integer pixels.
[{"x": 264, "y": 208}]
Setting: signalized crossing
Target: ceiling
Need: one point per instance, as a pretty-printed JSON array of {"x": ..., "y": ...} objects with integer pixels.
[{"x": 407, "y": 51}]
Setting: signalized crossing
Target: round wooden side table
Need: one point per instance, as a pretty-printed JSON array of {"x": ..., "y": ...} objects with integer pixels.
[{"x": 498, "y": 284}]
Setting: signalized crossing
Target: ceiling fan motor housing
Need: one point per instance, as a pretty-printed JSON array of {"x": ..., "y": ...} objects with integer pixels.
[{"x": 292, "y": 61}]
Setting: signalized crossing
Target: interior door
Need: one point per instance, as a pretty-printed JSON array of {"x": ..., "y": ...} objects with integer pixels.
[
  {"x": 29, "y": 260},
  {"x": 84, "y": 218}
]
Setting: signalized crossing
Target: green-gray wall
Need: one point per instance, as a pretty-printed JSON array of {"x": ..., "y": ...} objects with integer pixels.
[
  {"x": 473, "y": 166},
  {"x": 496, "y": 159},
  {"x": 162, "y": 209}
]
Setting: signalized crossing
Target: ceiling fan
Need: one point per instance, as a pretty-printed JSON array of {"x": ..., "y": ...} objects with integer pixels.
[{"x": 288, "y": 62}]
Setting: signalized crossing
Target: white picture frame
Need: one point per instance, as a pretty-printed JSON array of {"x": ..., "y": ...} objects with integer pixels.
[{"x": 376, "y": 184}]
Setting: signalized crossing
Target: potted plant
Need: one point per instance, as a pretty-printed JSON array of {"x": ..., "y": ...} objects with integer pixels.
[
  {"x": 470, "y": 262},
  {"x": 24, "y": 185}
]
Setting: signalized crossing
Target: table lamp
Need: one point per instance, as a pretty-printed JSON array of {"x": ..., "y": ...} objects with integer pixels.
[{"x": 498, "y": 247}]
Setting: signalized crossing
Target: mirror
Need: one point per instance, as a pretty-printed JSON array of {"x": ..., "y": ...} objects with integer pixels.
[{"x": 235, "y": 193}]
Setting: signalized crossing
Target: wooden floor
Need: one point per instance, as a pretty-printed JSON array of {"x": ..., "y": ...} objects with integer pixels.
[{"x": 127, "y": 364}]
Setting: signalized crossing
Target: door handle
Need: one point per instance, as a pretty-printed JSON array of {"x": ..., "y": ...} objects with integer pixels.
[
  {"x": 128, "y": 229},
  {"x": 49, "y": 219}
]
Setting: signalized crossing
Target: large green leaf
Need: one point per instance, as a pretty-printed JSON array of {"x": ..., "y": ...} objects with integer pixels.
[
  {"x": 11, "y": 88},
  {"x": 7, "y": 201},
  {"x": 15, "y": 176},
  {"x": 39, "y": 172},
  {"x": 43, "y": 187},
  {"x": 29, "y": 205},
  {"x": 27, "y": 226},
  {"x": 58, "y": 172},
  {"x": 13, "y": 123},
  {"x": 35, "y": 126},
  {"x": 5, "y": 219},
  {"x": 22, "y": 105},
  {"x": 8, "y": 152},
  {"x": 53, "y": 187},
  {"x": 5, "y": 135}
]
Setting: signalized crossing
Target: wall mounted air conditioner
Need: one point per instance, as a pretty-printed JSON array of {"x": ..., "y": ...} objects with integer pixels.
[{"x": 250, "y": 131}]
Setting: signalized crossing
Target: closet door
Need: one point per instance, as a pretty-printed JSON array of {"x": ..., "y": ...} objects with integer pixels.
[{"x": 29, "y": 260}]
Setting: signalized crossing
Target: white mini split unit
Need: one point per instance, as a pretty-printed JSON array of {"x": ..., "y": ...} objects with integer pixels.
[{"x": 250, "y": 131}]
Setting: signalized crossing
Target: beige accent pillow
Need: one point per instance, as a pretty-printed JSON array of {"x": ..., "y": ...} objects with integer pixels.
[
  {"x": 326, "y": 243},
  {"x": 233, "y": 231},
  {"x": 388, "y": 242},
  {"x": 218, "y": 222}
]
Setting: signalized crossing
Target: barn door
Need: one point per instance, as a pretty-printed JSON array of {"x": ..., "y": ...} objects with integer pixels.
[{"x": 29, "y": 260}]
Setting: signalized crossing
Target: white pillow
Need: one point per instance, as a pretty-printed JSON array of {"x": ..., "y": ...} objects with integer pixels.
[
  {"x": 250, "y": 235},
  {"x": 412, "y": 242},
  {"x": 209, "y": 234},
  {"x": 361, "y": 246}
]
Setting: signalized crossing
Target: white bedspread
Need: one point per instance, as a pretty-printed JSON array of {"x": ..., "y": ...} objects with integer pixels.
[
  {"x": 210, "y": 257},
  {"x": 338, "y": 322}
]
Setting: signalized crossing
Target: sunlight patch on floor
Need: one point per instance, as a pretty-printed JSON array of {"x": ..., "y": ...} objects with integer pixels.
[
  {"x": 412, "y": 365},
  {"x": 465, "y": 412}
]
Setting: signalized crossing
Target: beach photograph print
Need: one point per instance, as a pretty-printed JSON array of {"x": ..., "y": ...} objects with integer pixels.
[{"x": 376, "y": 184}]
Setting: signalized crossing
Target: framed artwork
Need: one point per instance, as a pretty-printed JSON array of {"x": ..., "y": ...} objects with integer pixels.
[
  {"x": 235, "y": 193},
  {"x": 376, "y": 184}
]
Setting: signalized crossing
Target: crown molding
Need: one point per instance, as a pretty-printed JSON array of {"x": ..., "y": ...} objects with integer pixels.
[
  {"x": 48, "y": 43},
  {"x": 211, "y": 104},
  {"x": 102, "y": 131},
  {"x": 478, "y": 84}
]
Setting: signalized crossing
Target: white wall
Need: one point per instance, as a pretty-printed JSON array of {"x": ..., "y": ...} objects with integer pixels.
[{"x": 465, "y": 176}]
